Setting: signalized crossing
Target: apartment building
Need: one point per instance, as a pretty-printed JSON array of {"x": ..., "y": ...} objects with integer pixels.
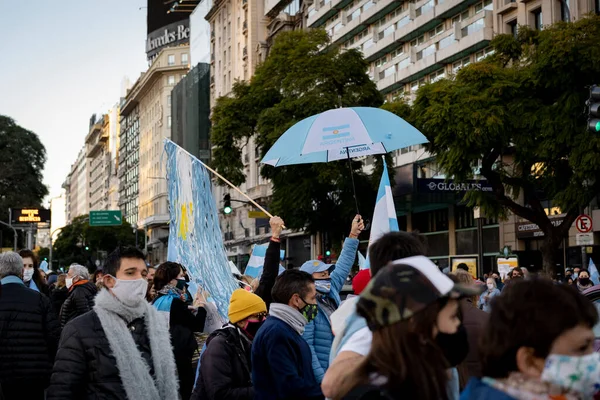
[
  {"x": 148, "y": 105},
  {"x": 129, "y": 155},
  {"x": 77, "y": 188}
]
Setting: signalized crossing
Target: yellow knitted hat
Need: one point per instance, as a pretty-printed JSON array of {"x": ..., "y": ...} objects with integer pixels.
[{"x": 244, "y": 304}]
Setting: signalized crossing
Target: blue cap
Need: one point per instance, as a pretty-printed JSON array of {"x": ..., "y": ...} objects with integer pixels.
[{"x": 313, "y": 266}]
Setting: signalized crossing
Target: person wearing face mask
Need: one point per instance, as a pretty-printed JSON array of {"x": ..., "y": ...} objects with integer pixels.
[
  {"x": 32, "y": 277},
  {"x": 182, "y": 320},
  {"x": 81, "y": 294},
  {"x": 486, "y": 298},
  {"x": 353, "y": 338},
  {"x": 281, "y": 358},
  {"x": 119, "y": 350},
  {"x": 407, "y": 305},
  {"x": 583, "y": 281},
  {"x": 543, "y": 351},
  {"x": 225, "y": 371},
  {"x": 329, "y": 282}
]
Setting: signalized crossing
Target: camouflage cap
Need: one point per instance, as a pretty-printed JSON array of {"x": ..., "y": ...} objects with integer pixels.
[{"x": 404, "y": 288}]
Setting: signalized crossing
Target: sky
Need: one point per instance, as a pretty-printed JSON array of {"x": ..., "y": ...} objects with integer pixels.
[{"x": 62, "y": 61}]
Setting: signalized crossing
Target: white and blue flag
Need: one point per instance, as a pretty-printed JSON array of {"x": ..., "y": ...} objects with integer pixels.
[
  {"x": 594, "y": 276},
  {"x": 384, "y": 216},
  {"x": 257, "y": 260}
]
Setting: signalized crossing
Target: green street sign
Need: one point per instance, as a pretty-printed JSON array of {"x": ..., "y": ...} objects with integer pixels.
[{"x": 105, "y": 218}]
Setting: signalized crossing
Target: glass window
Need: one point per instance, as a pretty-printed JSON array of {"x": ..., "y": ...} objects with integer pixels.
[
  {"x": 564, "y": 10},
  {"x": 184, "y": 58},
  {"x": 171, "y": 80},
  {"x": 367, "y": 44},
  {"x": 447, "y": 41},
  {"x": 488, "y": 5},
  {"x": 437, "y": 75},
  {"x": 474, "y": 27},
  {"x": 380, "y": 62},
  {"x": 389, "y": 71},
  {"x": 169, "y": 100},
  {"x": 171, "y": 59},
  {"x": 537, "y": 19},
  {"x": 427, "y": 51},
  {"x": 512, "y": 28},
  {"x": 436, "y": 31},
  {"x": 337, "y": 27},
  {"x": 403, "y": 21},
  {"x": 466, "y": 242},
  {"x": 404, "y": 63},
  {"x": 311, "y": 12},
  {"x": 425, "y": 8},
  {"x": 387, "y": 31},
  {"x": 169, "y": 121},
  {"x": 355, "y": 14},
  {"x": 398, "y": 52},
  {"x": 368, "y": 5}
]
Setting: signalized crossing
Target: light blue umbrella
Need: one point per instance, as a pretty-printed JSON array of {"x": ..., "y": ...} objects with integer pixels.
[{"x": 342, "y": 133}]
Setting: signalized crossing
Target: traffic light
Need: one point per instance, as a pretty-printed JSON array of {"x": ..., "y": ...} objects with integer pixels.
[
  {"x": 227, "y": 204},
  {"x": 594, "y": 109},
  {"x": 87, "y": 247},
  {"x": 328, "y": 253}
]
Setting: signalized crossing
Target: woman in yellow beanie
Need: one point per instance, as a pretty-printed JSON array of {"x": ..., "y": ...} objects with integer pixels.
[{"x": 225, "y": 369}]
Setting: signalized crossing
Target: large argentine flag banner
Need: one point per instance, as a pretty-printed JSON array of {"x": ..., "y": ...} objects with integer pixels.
[
  {"x": 257, "y": 260},
  {"x": 195, "y": 238},
  {"x": 384, "y": 216}
]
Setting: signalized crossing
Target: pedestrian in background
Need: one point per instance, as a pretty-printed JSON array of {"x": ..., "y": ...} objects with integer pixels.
[
  {"x": 183, "y": 320},
  {"x": 81, "y": 294},
  {"x": 29, "y": 334},
  {"x": 32, "y": 277},
  {"x": 406, "y": 306},
  {"x": 329, "y": 282},
  {"x": 281, "y": 358},
  {"x": 584, "y": 282},
  {"x": 59, "y": 293},
  {"x": 119, "y": 350},
  {"x": 486, "y": 297},
  {"x": 539, "y": 345}
]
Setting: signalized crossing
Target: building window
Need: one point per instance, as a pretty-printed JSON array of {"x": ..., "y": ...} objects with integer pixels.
[
  {"x": 398, "y": 52},
  {"x": 427, "y": 51},
  {"x": 460, "y": 17},
  {"x": 425, "y": 8},
  {"x": 184, "y": 58},
  {"x": 474, "y": 27},
  {"x": 437, "y": 75},
  {"x": 512, "y": 27},
  {"x": 537, "y": 19},
  {"x": 404, "y": 63},
  {"x": 380, "y": 61},
  {"x": 483, "y": 54},
  {"x": 171, "y": 59},
  {"x": 403, "y": 21},
  {"x": 388, "y": 72},
  {"x": 436, "y": 31},
  {"x": 169, "y": 100},
  {"x": 418, "y": 41},
  {"x": 169, "y": 121},
  {"x": 460, "y": 64},
  {"x": 387, "y": 31},
  {"x": 171, "y": 80},
  {"x": 447, "y": 41}
]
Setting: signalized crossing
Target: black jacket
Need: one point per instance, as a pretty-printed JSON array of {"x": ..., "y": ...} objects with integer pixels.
[
  {"x": 80, "y": 301},
  {"x": 270, "y": 272},
  {"x": 58, "y": 297},
  {"x": 182, "y": 325},
  {"x": 29, "y": 333},
  {"x": 225, "y": 368},
  {"x": 85, "y": 367}
]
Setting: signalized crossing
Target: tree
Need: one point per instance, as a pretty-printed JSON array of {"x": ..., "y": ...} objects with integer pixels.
[
  {"x": 296, "y": 81},
  {"x": 22, "y": 159},
  {"x": 81, "y": 243},
  {"x": 521, "y": 113}
]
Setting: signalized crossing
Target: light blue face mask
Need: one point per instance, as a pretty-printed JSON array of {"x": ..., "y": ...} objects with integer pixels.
[
  {"x": 323, "y": 285},
  {"x": 575, "y": 275}
]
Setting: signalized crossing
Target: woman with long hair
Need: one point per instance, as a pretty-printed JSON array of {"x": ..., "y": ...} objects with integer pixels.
[
  {"x": 406, "y": 306},
  {"x": 183, "y": 320},
  {"x": 32, "y": 277}
]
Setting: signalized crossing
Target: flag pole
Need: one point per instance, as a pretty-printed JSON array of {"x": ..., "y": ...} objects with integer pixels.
[
  {"x": 226, "y": 181},
  {"x": 352, "y": 175}
]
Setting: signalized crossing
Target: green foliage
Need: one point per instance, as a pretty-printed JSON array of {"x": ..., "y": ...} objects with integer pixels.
[
  {"x": 296, "y": 81},
  {"x": 73, "y": 238},
  {"x": 22, "y": 159},
  {"x": 521, "y": 112}
]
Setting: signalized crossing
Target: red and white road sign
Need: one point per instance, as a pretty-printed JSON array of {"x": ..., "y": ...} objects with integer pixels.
[{"x": 583, "y": 223}]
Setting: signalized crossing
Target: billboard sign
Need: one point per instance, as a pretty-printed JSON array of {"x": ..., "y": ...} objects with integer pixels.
[{"x": 29, "y": 216}]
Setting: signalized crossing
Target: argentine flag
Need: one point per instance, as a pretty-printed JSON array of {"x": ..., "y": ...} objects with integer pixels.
[
  {"x": 384, "y": 216},
  {"x": 257, "y": 260}
]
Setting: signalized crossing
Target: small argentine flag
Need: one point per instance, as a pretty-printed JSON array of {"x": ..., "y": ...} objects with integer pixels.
[
  {"x": 257, "y": 260},
  {"x": 384, "y": 216}
]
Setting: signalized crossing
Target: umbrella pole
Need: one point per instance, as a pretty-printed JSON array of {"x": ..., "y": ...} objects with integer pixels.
[{"x": 352, "y": 175}]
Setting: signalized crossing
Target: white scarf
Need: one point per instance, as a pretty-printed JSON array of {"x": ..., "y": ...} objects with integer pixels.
[
  {"x": 289, "y": 315},
  {"x": 134, "y": 371}
]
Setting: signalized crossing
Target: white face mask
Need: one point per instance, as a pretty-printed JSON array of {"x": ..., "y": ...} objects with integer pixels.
[
  {"x": 27, "y": 275},
  {"x": 130, "y": 292},
  {"x": 490, "y": 286},
  {"x": 69, "y": 282},
  {"x": 578, "y": 373}
]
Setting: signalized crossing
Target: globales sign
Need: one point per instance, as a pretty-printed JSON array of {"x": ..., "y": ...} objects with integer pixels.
[
  {"x": 444, "y": 186},
  {"x": 173, "y": 34},
  {"x": 29, "y": 216}
]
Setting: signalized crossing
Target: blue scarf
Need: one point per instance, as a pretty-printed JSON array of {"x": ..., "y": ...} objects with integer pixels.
[
  {"x": 163, "y": 303},
  {"x": 33, "y": 286}
]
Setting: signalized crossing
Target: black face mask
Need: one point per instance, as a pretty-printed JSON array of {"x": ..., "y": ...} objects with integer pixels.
[
  {"x": 252, "y": 328},
  {"x": 455, "y": 346},
  {"x": 584, "y": 281},
  {"x": 181, "y": 284}
]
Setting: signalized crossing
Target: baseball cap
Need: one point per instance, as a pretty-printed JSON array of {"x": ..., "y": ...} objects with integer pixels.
[
  {"x": 406, "y": 287},
  {"x": 313, "y": 266}
]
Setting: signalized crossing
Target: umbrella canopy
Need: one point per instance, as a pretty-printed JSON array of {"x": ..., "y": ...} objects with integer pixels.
[{"x": 331, "y": 135}]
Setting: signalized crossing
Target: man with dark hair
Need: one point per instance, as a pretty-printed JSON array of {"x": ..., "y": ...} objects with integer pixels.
[
  {"x": 117, "y": 350},
  {"x": 463, "y": 266},
  {"x": 29, "y": 333},
  {"x": 281, "y": 358}
]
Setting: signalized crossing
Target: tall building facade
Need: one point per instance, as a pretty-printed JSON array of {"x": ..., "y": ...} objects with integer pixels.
[
  {"x": 77, "y": 188},
  {"x": 129, "y": 155},
  {"x": 151, "y": 96}
]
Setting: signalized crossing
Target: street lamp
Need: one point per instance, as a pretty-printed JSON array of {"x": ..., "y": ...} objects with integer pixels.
[{"x": 477, "y": 215}]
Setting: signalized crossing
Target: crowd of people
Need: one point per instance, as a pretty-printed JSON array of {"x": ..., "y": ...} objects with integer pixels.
[{"x": 410, "y": 331}]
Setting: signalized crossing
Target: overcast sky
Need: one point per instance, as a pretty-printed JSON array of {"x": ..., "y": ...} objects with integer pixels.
[{"x": 62, "y": 61}]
